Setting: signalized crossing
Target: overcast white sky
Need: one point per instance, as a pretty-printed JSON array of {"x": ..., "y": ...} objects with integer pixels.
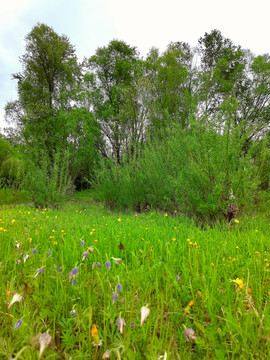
[{"x": 142, "y": 23}]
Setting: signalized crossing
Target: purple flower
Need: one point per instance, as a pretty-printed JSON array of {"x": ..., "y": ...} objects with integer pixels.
[
  {"x": 73, "y": 272},
  {"x": 119, "y": 287},
  {"x": 55, "y": 266},
  {"x": 18, "y": 324},
  {"x": 73, "y": 281},
  {"x": 60, "y": 269},
  {"x": 38, "y": 272},
  {"x": 34, "y": 251},
  {"x": 82, "y": 242},
  {"x": 98, "y": 265},
  {"x": 93, "y": 265},
  {"x": 73, "y": 312},
  {"x": 132, "y": 325},
  {"x": 114, "y": 297},
  {"x": 49, "y": 252},
  {"x": 108, "y": 265},
  {"x": 177, "y": 277}
]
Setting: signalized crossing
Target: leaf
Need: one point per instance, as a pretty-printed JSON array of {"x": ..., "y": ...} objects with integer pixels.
[{"x": 121, "y": 246}]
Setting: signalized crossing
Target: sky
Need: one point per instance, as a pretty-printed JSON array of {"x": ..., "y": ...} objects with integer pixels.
[{"x": 91, "y": 24}]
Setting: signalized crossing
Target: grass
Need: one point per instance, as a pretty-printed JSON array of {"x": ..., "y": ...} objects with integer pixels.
[{"x": 214, "y": 281}]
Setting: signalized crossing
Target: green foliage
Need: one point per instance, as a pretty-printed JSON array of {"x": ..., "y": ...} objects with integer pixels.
[
  {"x": 5, "y": 149},
  {"x": 50, "y": 183},
  {"x": 191, "y": 171}
]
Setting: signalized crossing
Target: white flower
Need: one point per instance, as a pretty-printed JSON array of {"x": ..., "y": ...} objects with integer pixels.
[
  {"x": 84, "y": 255},
  {"x": 42, "y": 341},
  {"x": 16, "y": 298},
  {"x": 117, "y": 260},
  {"x": 190, "y": 335},
  {"x": 144, "y": 314},
  {"x": 121, "y": 323},
  {"x": 106, "y": 355}
]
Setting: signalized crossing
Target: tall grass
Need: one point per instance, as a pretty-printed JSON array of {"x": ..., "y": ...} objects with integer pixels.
[{"x": 185, "y": 276}]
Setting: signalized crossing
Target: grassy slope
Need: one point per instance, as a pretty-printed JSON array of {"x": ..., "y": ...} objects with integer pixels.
[{"x": 230, "y": 320}]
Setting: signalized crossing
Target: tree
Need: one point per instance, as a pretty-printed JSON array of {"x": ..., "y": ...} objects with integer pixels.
[
  {"x": 114, "y": 68},
  {"x": 47, "y": 84}
]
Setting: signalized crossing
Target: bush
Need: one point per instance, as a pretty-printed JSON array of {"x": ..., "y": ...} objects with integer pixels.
[
  {"x": 191, "y": 171},
  {"x": 49, "y": 184}
]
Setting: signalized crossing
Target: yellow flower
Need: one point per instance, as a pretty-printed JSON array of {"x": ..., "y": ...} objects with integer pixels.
[
  {"x": 96, "y": 241},
  {"x": 166, "y": 215},
  {"x": 195, "y": 244},
  {"x": 236, "y": 221},
  {"x": 265, "y": 260},
  {"x": 229, "y": 258},
  {"x": 212, "y": 264},
  {"x": 234, "y": 259},
  {"x": 237, "y": 247},
  {"x": 54, "y": 243},
  {"x": 190, "y": 243},
  {"x": 191, "y": 303},
  {"x": 239, "y": 282},
  {"x": 119, "y": 219},
  {"x": 257, "y": 252},
  {"x": 267, "y": 265},
  {"x": 13, "y": 221},
  {"x": 249, "y": 290}
]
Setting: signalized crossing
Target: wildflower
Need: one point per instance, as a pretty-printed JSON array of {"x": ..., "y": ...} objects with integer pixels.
[
  {"x": 239, "y": 282},
  {"x": 49, "y": 252},
  {"x": 73, "y": 282},
  {"x": 119, "y": 287},
  {"x": 42, "y": 341},
  {"x": 54, "y": 243},
  {"x": 265, "y": 260},
  {"x": 98, "y": 265},
  {"x": 19, "y": 261},
  {"x": 212, "y": 264},
  {"x": 73, "y": 272},
  {"x": 121, "y": 323},
  {"x": 93, "y": 265},
  {"x": 132, "y": 325},
  {"x": 190, "y": 335},
  {"x": 108, "y": 265},
  {"x": 117, "y": 260},
  {"x": 73, "y": 312},
  {"x": 60, "y": 269},
  {"x": 236, "y": 221},
  {"x": 18, "y": 324},
  {"x": 114, "y": 297},
  {"x": 195, "y": 244},
  {"x": 256, "y": 230},
  {"x": 82, "y": 242},
  {"x": 13, "y": 221},
  {"x": 119, "y": 219},
  {"x": 90, "y": 249},
  {"x": 38, "y": 272},
  {"x": 177, "y": 277},
  {"x": 106, "y": 355},
  {"x": 8, "y": 292},
  {"x": 94, "y": 333},
  {"x": 16, "y": 298},
  {"x": 84, "y": 255},
  {"x": 191, "y": 303},
  {"x": 234, "y": 259},
  {"x": 17, "y": 245},
  {"x": 144, "y": 314},
  {"x": 249, "y": 290},
  {"x": 166, "y": 215}
]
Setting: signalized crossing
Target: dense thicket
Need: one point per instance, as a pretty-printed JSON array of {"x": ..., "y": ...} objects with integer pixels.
[{"x": 185, "y": 130}]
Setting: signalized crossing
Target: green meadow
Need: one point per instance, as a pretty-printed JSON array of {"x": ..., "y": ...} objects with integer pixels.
[{"x": 73, "y": 273}]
